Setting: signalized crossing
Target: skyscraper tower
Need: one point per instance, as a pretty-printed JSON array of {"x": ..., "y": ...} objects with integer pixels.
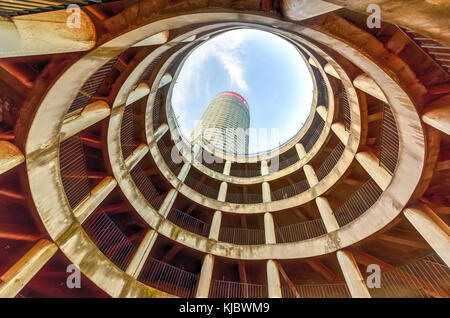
[{"x": 224, "y": 124}]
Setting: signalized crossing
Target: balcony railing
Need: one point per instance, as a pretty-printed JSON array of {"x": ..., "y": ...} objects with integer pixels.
[
  {"x": 329, "y": 163},
  {"x": 317, "y": 291},
  {"x": 388, "y": 153},
  {"x": 300, "y": 231},
  {"x": 166, "y": 153},
  {"x": 168, "y": 278},
  {"x": 201, "y": 188},
  {"x": 313, "y": 134},
  {"x": 148, "y": 71},
  {"x": 249, "y": 198},
  {"x": 109, "y": 238},
  {"x": 358, "y": 202},
  {"x": 188, "y": 222},
  {"x": 290, "y": 190},
  {"x": 288, "y": 162},
  {"x": 242, "y": 236},
  {"x": 89, "y": 88},
  {"x": 146, "y": 187},
  {"x": 345, "y": 109},
  {"x": 127, "y": 140},
  {"x": 157, "y": 104},
  {"x": 73, "y": 169},
  {"x": 427, "y": 277},
  {"x": 245, "y": 173},
  {"x": 225, "y": 289}
]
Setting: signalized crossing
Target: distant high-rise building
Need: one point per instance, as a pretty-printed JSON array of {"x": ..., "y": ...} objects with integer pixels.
[{"x": 224, "y": 124}]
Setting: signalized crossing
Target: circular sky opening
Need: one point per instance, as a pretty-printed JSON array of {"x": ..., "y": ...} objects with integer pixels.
[{"x": 265, "y": 69}]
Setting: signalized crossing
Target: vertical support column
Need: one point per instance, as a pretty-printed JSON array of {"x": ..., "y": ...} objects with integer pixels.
[
  {"x": 222, "y": 192},
  {"x": 215, "y": 226},
  {"x": 26, "y": 267},
  {"x": 310, "y": 175},
  {"x": 168, "y": 202},
  {"x": 138, "y": 260},
  {"x": 371, "y": 164},
  {"x": 184, "y": 171},
  {"x": 340, "y": 132},
  {"x": 435, "y": 231},
  {"x": 205, "y": 277},
  {"x": 301, "y": 152},
  {"x": 160, "y": 132},
  {"x": 10, "y": 156},
  {"x": 264, "y": 168},
  {"x": 266, "y": 192},
  {"x": 352, "y": 275},
  {"x": 327, "y": 214},
  {"x": 273, "y": 279},
  {"x": 227, "y": 168},
  {"x": 269, "y": 229}
]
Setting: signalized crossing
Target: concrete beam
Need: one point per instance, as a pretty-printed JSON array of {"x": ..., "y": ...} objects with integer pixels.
[
  {"x": 370, "y": 163},
  {"x": 156, "y": 39},
  {"x": 91, "y": 114},
  {"x": 141, "y": 255},
  {"x": 435, "y": 231},
  {"x": 353, "y": 278},
  {"x": 136, "y": 156},
  {"x": 366, "y": 83},
  {"x": 29, "y": 34},
  {"x": 437, "y": 114},
  {"x": 10, "y": 156},
  {"x": 26, "y": 267},
  {"x": 304, "y": 9}
]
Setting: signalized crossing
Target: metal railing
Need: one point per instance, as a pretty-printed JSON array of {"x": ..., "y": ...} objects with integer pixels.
[
  {"x": 249, "y": 198},
  {"x": 147, "y": 72},
  {"x": 331, "y": 160},
  {"x": 127, "y": 140},
  {"x": 313, "y": 134},
  {"x": 345, "y": 109},
  {"x": 358, "y": 202},
  {"x": 427, "y": 277},
  {"x": 109, "y": 238},
  {"x": 226, "y": 289},
  {"x": 201, "y": 188},
  {"x": 168, "y": 278},
  {"x": 317, "y": 291},
  {"x": 73, "y": 169},
  {"x": 89, "y": 88},
  {"x": 188, "y": 222},
  {"x": 245, "y": 173},
  {"x": 300, "y": 231},
  {"x": 14, "y": 8},
  {"x": 389, "y": 144},
  {"x": 157, "y": 105},
  {"x": 290, "y": 190},
  {"x": 288, "y": 162},
  {"x": 242, "y": 236},
  {"x": 146, "y": 187},
  {"x": 166, "y": 153},
  {"x": 215, "y": 165}
]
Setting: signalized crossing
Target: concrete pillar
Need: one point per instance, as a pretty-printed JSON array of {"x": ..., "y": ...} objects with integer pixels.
[
  {"x": 301, "y": 152},
  {"x": 437, "y": 114},
  {"x": 215, "y": 226},
  {"x": 167, "y": 204},
  {"x": 264, "y": 168},
  {"x": 156, "y": 39},
  {"x": 139, "y": 92},
  {"x": 205, "y": 277},
  {"x": 273, "y": 279},
  {"x": 165, "y": 79},
  {"x": 227, "y": 168},
  {"x": 91, "y": 114},
  {"x": 10, "y": 156},
  {"x": 340, "y": 132},
  {"x": 366, "y": 83},
  {"x": 329, "y": 69},
  {"x": 95, "y": 198},
  {"x": 160, "y": 132},
  {"x": 310, "y": 175},
  {"x": 304, "y": 9},
  {"x": 352, "y": 275},
  {"x": 222, "y": 192},
  {"x": 370, "y": 163},
  {"x": 184, "y": 171},
  {"x": 327, "y": 214},
  {"x": 435, "y": 231},
  {"x": 322, "y": 111},
  {"x": 25, "y": 268},
  {"x": 24, "y": 35},
  {"x": 312, "y": 62},
  {"x": 266, "y": 192},
  {"x": 190, "y": 39},
  {"x": 141, "y": 255},
  {"x": 269, "y": 229},
  {"x": 136, "y": 156}
]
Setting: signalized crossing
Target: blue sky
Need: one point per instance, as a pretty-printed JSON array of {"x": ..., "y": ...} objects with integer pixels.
[{"x": 264, "y": 68}]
